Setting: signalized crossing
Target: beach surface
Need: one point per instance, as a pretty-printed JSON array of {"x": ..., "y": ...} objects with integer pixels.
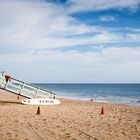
[{"x": 71, "y": 120}]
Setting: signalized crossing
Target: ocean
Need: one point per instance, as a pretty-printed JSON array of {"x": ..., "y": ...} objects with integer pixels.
[{"x": 114, "y": 93}]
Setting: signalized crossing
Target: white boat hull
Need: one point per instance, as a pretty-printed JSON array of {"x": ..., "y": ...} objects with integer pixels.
[{"x": 41, "y": 101}]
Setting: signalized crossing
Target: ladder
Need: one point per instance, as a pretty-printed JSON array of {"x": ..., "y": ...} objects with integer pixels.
[{"x": 23, "y": 89}]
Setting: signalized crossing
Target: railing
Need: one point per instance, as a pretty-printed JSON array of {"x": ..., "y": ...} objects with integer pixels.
[{"x": 26, "y": 90}]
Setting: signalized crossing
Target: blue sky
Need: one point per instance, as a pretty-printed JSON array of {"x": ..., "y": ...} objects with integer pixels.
[{"x": 72, "y": 41}]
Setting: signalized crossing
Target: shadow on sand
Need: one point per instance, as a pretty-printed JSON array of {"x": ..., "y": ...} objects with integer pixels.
[{"x": 9, "y": 102}]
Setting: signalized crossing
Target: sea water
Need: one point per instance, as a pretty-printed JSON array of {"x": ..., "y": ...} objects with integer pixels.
[{"x": 114, "y": 93}]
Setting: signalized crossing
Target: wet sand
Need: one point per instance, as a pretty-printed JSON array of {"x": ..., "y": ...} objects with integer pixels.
[{"x": 71, "y": 120}]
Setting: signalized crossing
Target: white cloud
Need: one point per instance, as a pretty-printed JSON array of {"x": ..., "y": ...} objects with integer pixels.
[
  {"x": 82, "y": 5},
  {"x": 107, "y": 18},
  {"x": 108, "y": 65},
  {"x": 32, "y": 28},
  {"x": 134, "y": 37},
  {"x": 37, "y": 25}
]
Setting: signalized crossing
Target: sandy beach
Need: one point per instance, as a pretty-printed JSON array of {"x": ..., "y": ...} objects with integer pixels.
[{"x": 71, "y": 120}]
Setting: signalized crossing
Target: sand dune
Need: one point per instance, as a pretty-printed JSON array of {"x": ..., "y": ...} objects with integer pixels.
[{"x": 71, "y": 120}]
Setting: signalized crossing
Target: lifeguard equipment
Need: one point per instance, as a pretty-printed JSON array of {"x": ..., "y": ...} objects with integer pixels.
[
  {"x": 26, "y": 90},
  {"x": 41, "y": 101},
  {"x": 2, "y": 79}
]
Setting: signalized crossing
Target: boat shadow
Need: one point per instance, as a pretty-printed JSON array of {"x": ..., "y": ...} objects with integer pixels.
[{"x": 10, "y": 102}]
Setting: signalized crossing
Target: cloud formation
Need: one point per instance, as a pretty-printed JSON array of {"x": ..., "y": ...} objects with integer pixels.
[
  {"x": 41, "y": 37},
  {"x": 44, "y": 25},
  {"x": 67, "y": 66},
  {"x": 82, "y": 5},
  {"x": 107, "y": 18}
]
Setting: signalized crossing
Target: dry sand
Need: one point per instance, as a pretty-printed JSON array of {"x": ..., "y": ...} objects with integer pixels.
[{"x": 72, "y": 120}]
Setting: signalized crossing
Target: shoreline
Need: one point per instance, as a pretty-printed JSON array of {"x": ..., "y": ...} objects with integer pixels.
[
  {"x": 111, "y": 93},
  {"x": 71, "y": 120},
  {"x": 97, "y": 101}
]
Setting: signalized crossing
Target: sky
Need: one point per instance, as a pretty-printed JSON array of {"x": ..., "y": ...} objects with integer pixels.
[{"x": 70, "y": 41}]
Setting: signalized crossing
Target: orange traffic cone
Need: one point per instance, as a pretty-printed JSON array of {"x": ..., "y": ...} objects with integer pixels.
[
  {"x": 18, "y": 97},
  {"x": 102, "y": 110},
  {"x": 38, "y": 111}
]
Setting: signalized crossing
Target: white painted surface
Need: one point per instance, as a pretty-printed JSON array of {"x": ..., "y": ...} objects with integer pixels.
[{"x": 41, "y": 101}]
